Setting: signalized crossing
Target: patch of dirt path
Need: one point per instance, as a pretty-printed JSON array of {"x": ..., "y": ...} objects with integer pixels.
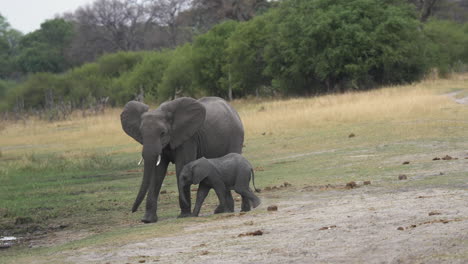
[
  {"x": 364, "y": 225},
  {"x": 463, "y": 100}
]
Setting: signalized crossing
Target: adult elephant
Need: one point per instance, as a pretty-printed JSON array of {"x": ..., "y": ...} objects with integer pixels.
[{"x": 179, "y": 131}]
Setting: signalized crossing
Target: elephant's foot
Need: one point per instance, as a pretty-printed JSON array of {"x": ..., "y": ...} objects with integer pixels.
[
  {"x": 256, "y": 203},
  {"x": 221, "y": 209},
  {"x": 149, "y": 218},
  {"x": 182, "y": 215}
]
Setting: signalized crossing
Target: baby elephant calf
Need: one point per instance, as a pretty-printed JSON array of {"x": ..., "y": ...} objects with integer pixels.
[{"x": 231, "y": 172}]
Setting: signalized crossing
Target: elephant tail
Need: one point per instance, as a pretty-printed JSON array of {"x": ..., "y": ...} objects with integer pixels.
[{"x": 253, "y": 180}]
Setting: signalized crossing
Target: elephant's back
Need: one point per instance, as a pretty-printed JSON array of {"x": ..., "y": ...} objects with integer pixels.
[{"x": 222, "y": 130}]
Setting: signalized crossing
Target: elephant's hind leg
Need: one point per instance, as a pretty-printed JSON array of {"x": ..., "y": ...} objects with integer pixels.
[
  {"x": 249, "y": 197},
  {"x": 245, "y": 207}
]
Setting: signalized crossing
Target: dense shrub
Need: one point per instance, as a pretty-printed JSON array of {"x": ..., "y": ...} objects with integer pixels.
[
  {"x": 343, "y": 44},
  {"x": 145, "y": 77},
  {"x": 210, "y": 60},
  {"x": 448, "y": 44}
]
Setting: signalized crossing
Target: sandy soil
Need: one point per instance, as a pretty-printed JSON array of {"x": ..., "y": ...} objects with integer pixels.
[{"x": 363, "y": 225}]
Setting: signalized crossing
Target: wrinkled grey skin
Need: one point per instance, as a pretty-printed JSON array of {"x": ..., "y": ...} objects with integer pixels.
[
  {"x": 179, "y": 131},
  {"x": 231, "y": 172}
]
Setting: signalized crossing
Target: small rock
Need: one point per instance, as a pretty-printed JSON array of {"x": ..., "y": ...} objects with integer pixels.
[
  {"x": 400, "y": 228},
  {"x": 436, "y": 158},
  {"x": 406, "y": 162},
  {"x": 327, "y": 227},
  {"x": 441, "y": 173},
  {"x": 402, "y": 177},
  {"x": 434, "y": 213},
  {"x": 272, "y": 208},
  {"x": 264, "y": 133},
  {"x": 447, "y": 157},
  {"x": 367, "y": 182},
  {"x": 255, "y": 233},
  {"x": 205, "y": 252},
  {"x": 194, "y": 189},
  {"x": 351, "y": 135},
  {"x": 237, "y": 199},
  {"x": 142, "y": 261},
  {"x": 163, "y": 192},
  {"x": 351, "y": 185},
  {"x": 249, "y": 223},
  {"x": 286, "y": 184},
  {"x": 268, "y": 188}
]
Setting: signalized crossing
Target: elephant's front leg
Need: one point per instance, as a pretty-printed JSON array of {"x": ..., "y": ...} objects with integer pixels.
[
  {"x": 184, "y": 155},
  {"x": 153, "y": 192},
  {"x": 203, "y": 191},
  {"x": 220, "y": 190},
  {"x": 229, "y": 203}
]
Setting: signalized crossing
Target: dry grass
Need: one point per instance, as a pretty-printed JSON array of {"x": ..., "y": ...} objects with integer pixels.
[{"x": 410, "y": 102}]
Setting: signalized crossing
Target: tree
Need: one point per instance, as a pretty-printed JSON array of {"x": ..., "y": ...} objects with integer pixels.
[
  {"x": 170, "y": 10},
  {"x": 245, "y": 56},
  {"x": 108, "y": 26},
  {"x": 44, "y": 49},
  {"x": 326, "y": 45},
  {"x": 209, "y": 59},
  {"x": 9, "y": 40},
  {"x": 178, "y": 76},
  {"x": 448, "y": 44},
  {"x": 210, "y": 12}
]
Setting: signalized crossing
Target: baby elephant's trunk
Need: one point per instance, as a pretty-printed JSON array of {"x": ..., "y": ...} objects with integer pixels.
[{"x": 253, "y": 181}]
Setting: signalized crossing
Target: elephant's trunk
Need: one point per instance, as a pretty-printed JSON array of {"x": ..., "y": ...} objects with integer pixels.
[{"x": 148, "y": 172}]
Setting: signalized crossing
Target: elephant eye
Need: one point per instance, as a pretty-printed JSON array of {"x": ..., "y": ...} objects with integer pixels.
[{"x": 163, "y": 133}]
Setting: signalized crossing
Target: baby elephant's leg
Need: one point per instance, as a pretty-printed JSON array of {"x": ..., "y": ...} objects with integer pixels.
[
  {"x": 229, "y": 204},
  {"x": 202, "y": 192},
  {"x": 248, "y": 198},
  {"x": 245, "y": 207},
  {"x": 223, "y": 204}
]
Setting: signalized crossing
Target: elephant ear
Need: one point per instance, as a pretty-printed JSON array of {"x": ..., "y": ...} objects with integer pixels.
[
  {"x": 202, "y": 169},
  {"x": 131, "y": 119},
  {"x": 187, "y": 116}
]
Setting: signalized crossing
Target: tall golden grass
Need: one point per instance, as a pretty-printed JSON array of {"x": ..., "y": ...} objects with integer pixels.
[{"x": 426, "y": 99}]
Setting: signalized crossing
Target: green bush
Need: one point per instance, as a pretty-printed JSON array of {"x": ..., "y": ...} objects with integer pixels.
[
  {"x": 146, "y": 76},
  {"x": 178, "y": 76},
  {"x": 343, "y": 44},
  {"x": 210, "y": 59},
  {"x": 245, "y": 53},
  {"x": 116, "y": 64},
  {"x": 448, "y": 44}
]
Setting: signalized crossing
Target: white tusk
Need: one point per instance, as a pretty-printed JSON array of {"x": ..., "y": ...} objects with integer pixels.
[
  {"x": 159, "y": 160},
  {"x": 141, "y": 160}
]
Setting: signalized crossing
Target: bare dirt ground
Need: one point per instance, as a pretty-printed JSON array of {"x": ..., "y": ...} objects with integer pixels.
[{"x": 364, "y": 225}]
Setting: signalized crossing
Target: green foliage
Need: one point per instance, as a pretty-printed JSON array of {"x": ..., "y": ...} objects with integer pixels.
[
  {"x": 209, "y": 59},
  {"x": 178, "y": 76},
  {"x": 34, "y": 89},
  {"x": 245, "y": 51},
  {"x": 343, "y": 44},
  {"x": 44, "y": 49},
  {"x": 146, "y": 76},
  {"x": 5, "y": 88},
  {"x": 9, "y": 39},
  {"x": 86, "y": 82},
  {"x": 114, "y": 65},
  {"x": 448, "y": 42}
]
